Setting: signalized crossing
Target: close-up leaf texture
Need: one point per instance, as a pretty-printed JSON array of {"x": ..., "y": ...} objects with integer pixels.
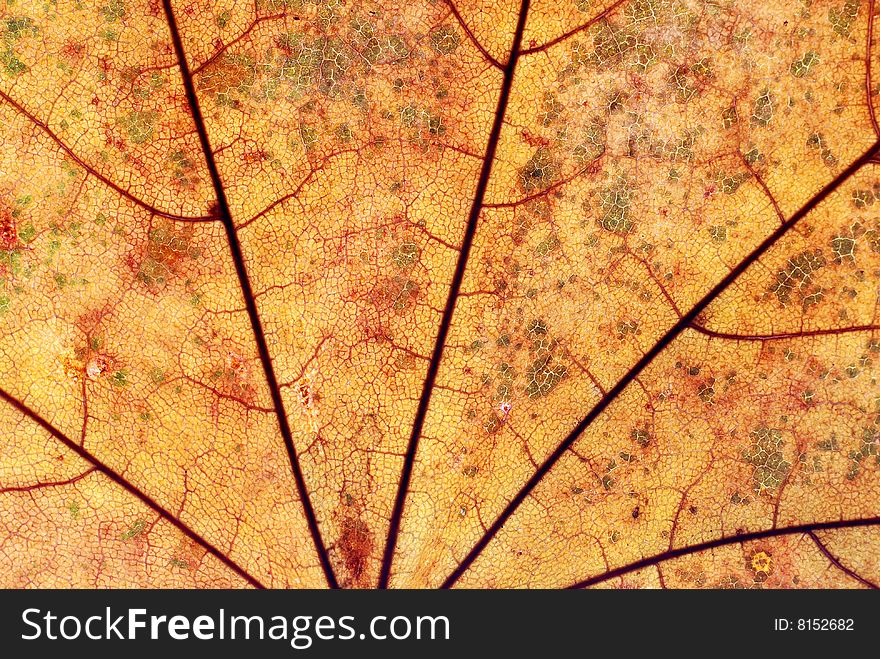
[{"x": 439, "y": 293}]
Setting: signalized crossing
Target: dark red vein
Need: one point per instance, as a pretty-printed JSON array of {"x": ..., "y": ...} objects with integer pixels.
[
  {"x": 247, "y": 292},
  {"x": 604, "y": 14},
  {"x": 464, "y": 26},
  {"x": 840, "y": 566},
  {"x": 721, "y": 542},
  {"x": 783, "y": 335},
  {"x": 449, "y": 309},
  {"x": 686, "y": 321},
  {"x": 48, "y": 484},
  {"x": 241, "y": 37},
  {"x": 93, "y": 172},
  {"x": 869, "y": 93},
  {"x": 114, "y": 476}
]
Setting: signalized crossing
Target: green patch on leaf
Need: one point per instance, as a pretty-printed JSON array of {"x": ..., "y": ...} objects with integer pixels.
[
  {"x": 762, "y": 110},
  {"x": 616, "y": 203},
  {"x": 26, "y": 233},
  {"x": 444, "y": 39},
  {"x": 640, "y": 436},
  {"x": 114, "y": 11},
  {"x": 11, "y": 64},
  {"x": 718, "y": 233},
  {"x": 543, "y": 375},
  {"x": 11, "y": 259},
  {"x": 539, "y": 172},
  {"x": 405, "y": 255},
  {"x": 17, "y": 27},
  {"x": 800, "y": 68},
  {"x": 135, "y": 530},
  {"x": 841, "y": 19},
  {"x": 844, "y": 249},
  {"x": 547, "y": 245},
  {"x": 343, "y": 133},
  {"x": 730, "y": 184},
  {"x": 752, "y": 156},
  {"x": 308, "y": 135},
  {"x": 140, "y": 126},
  {"x": 797, "y": 275},
  {"x": 766, "y": 456},
  {"x": 592, "y": 146},
  {"x": 818, "y": 142},
  {"x": 729, "y": 117}
]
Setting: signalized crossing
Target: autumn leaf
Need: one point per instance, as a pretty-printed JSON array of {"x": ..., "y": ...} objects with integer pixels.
[{"x": 305, "y": 293}]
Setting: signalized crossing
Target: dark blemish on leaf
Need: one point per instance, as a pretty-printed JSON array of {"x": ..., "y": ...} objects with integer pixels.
[
  {"x": 801, "y": 67},
  {"x": 797, "y": 274},
  {"x": 718, "y": 233},
  {"x": 492, "y": 424},
  {"x": 640, "y": 436},
  {"x": 729, "y": 117},
  {"x": 356, "y": 546},
  {"x": 444, "y": 39},
  {"x": 761, "y": 565},
  {"x": 842, "y": 19},
  {"x": 706, "y": 392},
  {"x": 818, "y": 143},
  {"x": 539, "y": 172},
  {"x": 843, "y": 248},
  {"x": 543, "y": 375}
]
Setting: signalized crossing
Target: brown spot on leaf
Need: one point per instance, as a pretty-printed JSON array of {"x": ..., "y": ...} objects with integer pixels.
[
  {"x": 8, "y": 235},
  {"x": 356, "y": 545}
]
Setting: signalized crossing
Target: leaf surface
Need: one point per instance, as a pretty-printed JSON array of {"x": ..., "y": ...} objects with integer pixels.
[{"x": 483, "y": 294}]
